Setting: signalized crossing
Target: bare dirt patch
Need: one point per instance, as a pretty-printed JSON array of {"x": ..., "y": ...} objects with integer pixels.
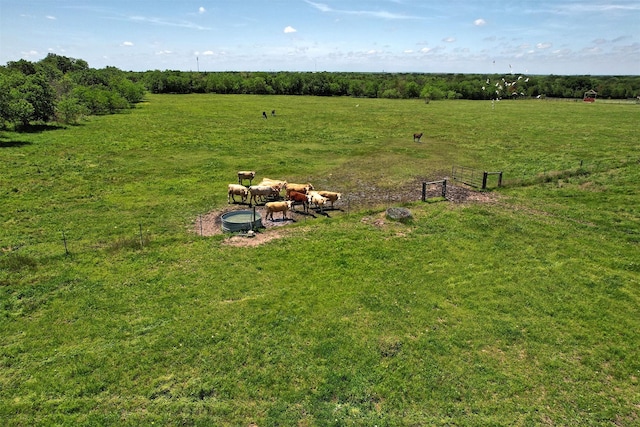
[
  {"x": 366, "y": 195},
  {"x": 370, "y": 194},
  {"x": 256, "y": 240},
  {"x": 210, "y": 224}
]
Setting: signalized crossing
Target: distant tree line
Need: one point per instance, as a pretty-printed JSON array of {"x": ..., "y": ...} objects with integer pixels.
[
  {"x": 390, "y": 85},
  {"x": 62, "y": 89}
]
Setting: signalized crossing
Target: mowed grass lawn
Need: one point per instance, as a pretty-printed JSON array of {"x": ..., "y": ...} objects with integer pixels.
[{"x": 520, "y": 311}]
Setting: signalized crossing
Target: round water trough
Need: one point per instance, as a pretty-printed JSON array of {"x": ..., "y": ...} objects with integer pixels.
[{"x": 242, "y": 220}]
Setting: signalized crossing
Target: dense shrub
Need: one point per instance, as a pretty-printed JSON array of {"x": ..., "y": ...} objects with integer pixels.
[{"x": 62, "y": 89}]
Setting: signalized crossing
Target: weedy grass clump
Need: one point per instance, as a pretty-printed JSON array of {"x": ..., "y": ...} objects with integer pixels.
[{"x": 16, "y": 262}]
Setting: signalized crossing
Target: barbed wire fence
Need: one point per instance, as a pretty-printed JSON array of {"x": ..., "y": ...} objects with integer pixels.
[
  {"x": 137, "y": 236},
  {"x": 523, "y": 176}
]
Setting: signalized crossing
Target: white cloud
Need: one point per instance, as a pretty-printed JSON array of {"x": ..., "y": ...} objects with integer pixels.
[
  {"x": 621, "y": 38},
  {"x": 159, "y": 21},
  {"x": 479, "y": 22},
  {"x": 290, "y": 29},
  {"x": 594, "y": 8},
  {"x": 320, "y": 6},
  {"x": 201, "y": 10},
  {"x": 374, "y": 13},
  {"x": 632, "y": 49},
  {"x": 127, "y": 44}
]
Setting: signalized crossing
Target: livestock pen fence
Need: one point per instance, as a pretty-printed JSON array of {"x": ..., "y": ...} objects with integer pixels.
[
  {"x": 528, "y": 175},
  {"x": 474, "y": 177},
  {"x": 433, "y": 189},
  {"x": 535, "y": 174},
  {"x": 22, "y": 250}
]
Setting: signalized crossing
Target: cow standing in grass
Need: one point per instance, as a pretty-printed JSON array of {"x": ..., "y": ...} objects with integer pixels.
[
  {"x": 242, "y": 175},
  {"x": 283, "y": 207}
]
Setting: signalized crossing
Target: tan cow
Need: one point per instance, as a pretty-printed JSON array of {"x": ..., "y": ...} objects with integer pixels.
[
  {"x": 237, "y": 190},
  {"x": 278, "y": 207}
]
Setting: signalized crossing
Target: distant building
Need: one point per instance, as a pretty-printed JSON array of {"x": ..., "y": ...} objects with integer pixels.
[{"x": 590, "y": 96}]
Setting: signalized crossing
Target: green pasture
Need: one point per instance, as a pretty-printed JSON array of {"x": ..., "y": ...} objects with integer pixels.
[{"x": 520, "y": 309}]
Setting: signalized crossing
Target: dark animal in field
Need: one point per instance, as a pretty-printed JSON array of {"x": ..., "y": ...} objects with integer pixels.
[
  {"x": 264, "y": 114},
  {"x": 416, "y": 137}
]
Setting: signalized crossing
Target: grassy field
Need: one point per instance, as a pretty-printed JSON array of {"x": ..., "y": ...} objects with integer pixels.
[{"x": 520, "y": 310}]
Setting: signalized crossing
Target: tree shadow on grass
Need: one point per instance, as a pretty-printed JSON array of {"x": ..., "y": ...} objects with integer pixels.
[
  {"x": 6, "y": 142},
  {"x": 11, "y": 143},
  {"x": 39, "y": 128}
]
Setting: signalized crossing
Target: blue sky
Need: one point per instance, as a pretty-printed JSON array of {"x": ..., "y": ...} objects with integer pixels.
[{"x": 454, "y": 36}]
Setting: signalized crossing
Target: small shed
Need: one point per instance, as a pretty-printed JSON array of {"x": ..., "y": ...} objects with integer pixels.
[{"x": 590, "y": 96}]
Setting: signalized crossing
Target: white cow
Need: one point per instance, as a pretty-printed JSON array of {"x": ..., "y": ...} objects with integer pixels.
[
  {"x": 237, "y": 190},
  {"x": 261, "y": 191}
]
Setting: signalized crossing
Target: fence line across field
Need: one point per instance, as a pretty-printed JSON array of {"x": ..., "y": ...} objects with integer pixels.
[{"x": 72, "y": 241}]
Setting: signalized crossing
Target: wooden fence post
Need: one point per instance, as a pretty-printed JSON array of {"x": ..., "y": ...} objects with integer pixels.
[{"x": 64, "y": 239}]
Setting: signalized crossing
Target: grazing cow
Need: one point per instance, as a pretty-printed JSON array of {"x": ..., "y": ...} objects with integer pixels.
[
  {"x": 275, "y": 183},
  {"x": 237, "y": 190},
  {"x": 315, "y": 198},
  {"x": 261, "y": 191},
  {"x": 330, "y": 196},
  {"x": 416, "y": 137},
  {"x": 246, "y": 175},
  {"x": 278, "y": 207},
  {"x": 298, "y": 198},
  {"x": 264, "y": 114},
  {"x": 301, "y": 188}
]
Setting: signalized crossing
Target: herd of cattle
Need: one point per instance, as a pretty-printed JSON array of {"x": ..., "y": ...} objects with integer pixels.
[{"x": 271, "y": 189}]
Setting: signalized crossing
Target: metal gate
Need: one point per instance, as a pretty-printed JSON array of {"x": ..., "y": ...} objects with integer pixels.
[{"x": 474, "y": 177}]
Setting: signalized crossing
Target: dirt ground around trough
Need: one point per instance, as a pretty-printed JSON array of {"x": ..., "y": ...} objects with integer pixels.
[{"x": 210, "y": 224}]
